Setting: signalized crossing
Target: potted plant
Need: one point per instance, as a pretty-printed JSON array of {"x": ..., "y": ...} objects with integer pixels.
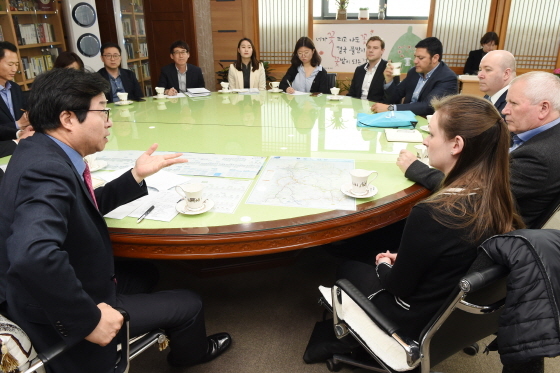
[
  {"x": 342, "y": 5},
  {"x": 364, "y": 14}
]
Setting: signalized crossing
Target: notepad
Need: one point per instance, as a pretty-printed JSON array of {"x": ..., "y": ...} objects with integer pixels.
[{"x": 402, "y": 135}]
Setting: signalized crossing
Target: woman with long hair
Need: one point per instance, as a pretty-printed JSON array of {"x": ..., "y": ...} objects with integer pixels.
[
  {"x": 488, "y": 42},
  {"x": 247, "y": 71},
  {"x": 69, "y": 60},
  {"x": 469, "y": 143},
  {"x": 306, "y": 73}
]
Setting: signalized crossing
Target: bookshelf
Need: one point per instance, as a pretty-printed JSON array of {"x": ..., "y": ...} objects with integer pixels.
[
  {"x": 35, "y": 28},
  {"x": 131, "y": 31}
]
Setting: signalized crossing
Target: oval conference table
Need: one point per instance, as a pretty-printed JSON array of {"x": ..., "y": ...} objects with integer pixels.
[{"x": 264, "y": 124}]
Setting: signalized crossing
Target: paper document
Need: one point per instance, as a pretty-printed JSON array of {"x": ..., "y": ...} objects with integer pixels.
[
  {"x": 298, "y": 93},
  {"x": 304, "y": 182},
  {"x": 225, "y": 193},
  {"x": 403, "y": 135}
]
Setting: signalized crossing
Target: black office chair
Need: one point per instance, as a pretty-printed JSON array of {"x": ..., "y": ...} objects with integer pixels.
[
  {"x": 332, "y": 79},
  {"x": 18, "y": 355},
  {"x": 547, "y": 214},
  {"x": 470, "y": 314}
]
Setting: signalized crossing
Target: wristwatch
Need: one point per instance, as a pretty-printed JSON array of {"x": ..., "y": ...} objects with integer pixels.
[{"x": 391, "y": 108}]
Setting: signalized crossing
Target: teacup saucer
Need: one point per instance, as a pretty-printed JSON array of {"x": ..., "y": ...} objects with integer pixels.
[
  {"x": 347, "y": 189},
  {"x": 122, "y": 103},
  {"x": 335, "y": 97},
  {"x": 424, "y": 128},
  {"x": 97, "y": 165},
  {"x": 275, "y": 91},
  {"x": 181, "y": 207},
  {"x": 223, "y": 91}
]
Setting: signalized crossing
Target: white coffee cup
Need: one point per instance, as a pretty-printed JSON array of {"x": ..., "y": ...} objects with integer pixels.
[
  {"x": 90, "y": 160},
  {"x": 360, "y": 184},
  {"x": 335, "y": 91},
  {"x": 421, "y": 152},
  {"x": 396, "y": 68},
  {"x": 160, "y": 91},
  {"x": 225, "y": 86},
  {"x": 192, "y": 194},
  {"x": 123, "y": 96},
  {"x": 274, "y": 86}
]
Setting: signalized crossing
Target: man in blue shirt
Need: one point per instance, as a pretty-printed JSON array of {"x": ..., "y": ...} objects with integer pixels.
[
  {"x": 532, "y": 113},
  {"x": 122, "y": 80},
  {"x": 430, "y": 78}
]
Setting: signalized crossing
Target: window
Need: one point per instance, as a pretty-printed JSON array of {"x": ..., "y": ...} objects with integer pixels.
[{"x": 395, "y": 9}]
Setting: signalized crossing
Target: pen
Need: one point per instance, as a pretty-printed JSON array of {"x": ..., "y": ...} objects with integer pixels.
[
  {"x": 145, "y": 214},
  {"x": 290, "y": 84}
]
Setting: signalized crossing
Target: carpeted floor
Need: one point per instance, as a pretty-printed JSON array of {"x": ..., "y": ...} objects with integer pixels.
[{"x": 270, "y": 315}]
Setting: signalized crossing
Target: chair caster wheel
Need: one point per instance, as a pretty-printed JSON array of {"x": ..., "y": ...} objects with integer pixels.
[
  {"x": 471, "y": 350},
  {"x": 332, "y": 366}
]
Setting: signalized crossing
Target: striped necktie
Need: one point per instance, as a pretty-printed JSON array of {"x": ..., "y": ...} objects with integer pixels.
[
  {"x": 487, "y": 97},
  {"x": 87, "y": 179}
]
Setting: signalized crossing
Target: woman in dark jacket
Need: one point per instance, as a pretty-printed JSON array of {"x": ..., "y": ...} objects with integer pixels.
[
  {"x": 306, "y": 73},
  {"x": 489, "y": 42}
]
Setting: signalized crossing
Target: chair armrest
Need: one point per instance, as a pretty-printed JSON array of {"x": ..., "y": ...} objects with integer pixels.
[
  {"x": 387, "y": 325},
  {"x": 477, "y": 280}
]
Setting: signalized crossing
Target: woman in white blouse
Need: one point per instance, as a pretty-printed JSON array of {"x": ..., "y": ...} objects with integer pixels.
[{"x": 247, "y": 71}]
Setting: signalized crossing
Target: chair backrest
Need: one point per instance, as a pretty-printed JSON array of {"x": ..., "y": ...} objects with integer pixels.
[
  {"x": 472, "y": 313},
  {"x": 547, "y": 214},
  {"x": 332, "y": 79}
]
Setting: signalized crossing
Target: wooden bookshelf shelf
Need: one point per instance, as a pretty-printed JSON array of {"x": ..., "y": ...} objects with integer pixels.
[{"x": 29, "y": 46}]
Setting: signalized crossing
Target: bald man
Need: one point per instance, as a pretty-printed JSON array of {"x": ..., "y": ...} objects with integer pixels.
[{"x": 497, "y": 70}]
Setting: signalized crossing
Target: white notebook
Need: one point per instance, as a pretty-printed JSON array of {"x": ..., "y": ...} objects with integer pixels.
[{"x": 403, "y": 135}]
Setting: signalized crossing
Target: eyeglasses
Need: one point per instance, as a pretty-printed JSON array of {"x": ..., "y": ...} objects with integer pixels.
[
  {"x": 112, "y": 56},
  {"x": 106, "y": 111},
  {"x": 180, "y": 53},
  {"x": 304, "y": 54}
]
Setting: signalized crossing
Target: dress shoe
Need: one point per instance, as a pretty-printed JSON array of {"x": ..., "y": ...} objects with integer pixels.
[{"x": 217, "y": 344}]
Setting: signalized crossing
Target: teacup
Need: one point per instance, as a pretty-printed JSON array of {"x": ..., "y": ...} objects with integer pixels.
[
  {"x": 335, "y": 91},
  {"x": 192, "y": 194},
  {"x": 360, "y": 184},
  {"x": 421, "y": 152},
  {"x": 90, "y": 160},
  {"x": 396, "y": 68},
  {"x": 274, "y": 86},
  {"x": 225, "y": 86},
  {"x": 160, "y": 91},
  {"x": 123, "y": 96}
]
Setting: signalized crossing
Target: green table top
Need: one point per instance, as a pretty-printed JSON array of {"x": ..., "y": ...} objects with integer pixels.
[{"x": 264, "y": 124}]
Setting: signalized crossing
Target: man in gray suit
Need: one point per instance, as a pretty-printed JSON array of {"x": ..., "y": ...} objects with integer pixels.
[
  {"x": 497, "y": 70},
  {"x": 532, "y": 114}
]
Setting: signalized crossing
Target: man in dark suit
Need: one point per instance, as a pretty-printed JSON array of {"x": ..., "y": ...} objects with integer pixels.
[
  {"x": 497, "y": 70},
  {"x": 532, "y": 114},
  {"x": 56, "y": 264},
  {"x": 180, "y": 75},
  {"x": 12, "y": 118},
  {"x": 367, "y": 82},
  {"x": 430, "y": 78},
  {"x": 122, "y": 80}
]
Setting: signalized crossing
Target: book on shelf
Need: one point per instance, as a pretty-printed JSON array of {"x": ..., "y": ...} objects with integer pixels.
[
  {"x": 146, "y": 70},
  {"x": 134, "y": 68},
  {"x": 129, "y": 50},
  {"x": 143, "y": 49},
  {"x": 1, "y": 34},
  {"x": 140, "y": 28},
  {"x": 148, "y": 89},
  {"x": 45, "y": 5},
  {"x": 127, "y": 28}
]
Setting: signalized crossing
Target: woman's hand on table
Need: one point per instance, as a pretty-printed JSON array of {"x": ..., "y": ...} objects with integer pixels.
[
  {"x": 405, "y": 159},
  {"x": 290, "y": 90},
  {"x": 386, "y": 257}
]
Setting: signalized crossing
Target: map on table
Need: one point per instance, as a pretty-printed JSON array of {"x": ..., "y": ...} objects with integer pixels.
[
  {"x": 304, "y": 182},
  {"x": 199, "y": 164}
]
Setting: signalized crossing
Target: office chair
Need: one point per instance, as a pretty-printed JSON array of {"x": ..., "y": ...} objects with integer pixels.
[
  {"x": 332, "y": 79},
  {"x": 18, "y": 354},
  {"x": 470, "y": 313}
]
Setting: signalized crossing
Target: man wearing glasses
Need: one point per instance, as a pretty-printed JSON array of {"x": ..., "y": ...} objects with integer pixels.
[
  {"x": 122, "y": 80},
  {"x": 180, "y": 75},
  {"x": 56, "y": 263}
]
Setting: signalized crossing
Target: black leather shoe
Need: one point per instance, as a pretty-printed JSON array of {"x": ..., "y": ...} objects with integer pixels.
[{"x": 217, "y": 344}]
